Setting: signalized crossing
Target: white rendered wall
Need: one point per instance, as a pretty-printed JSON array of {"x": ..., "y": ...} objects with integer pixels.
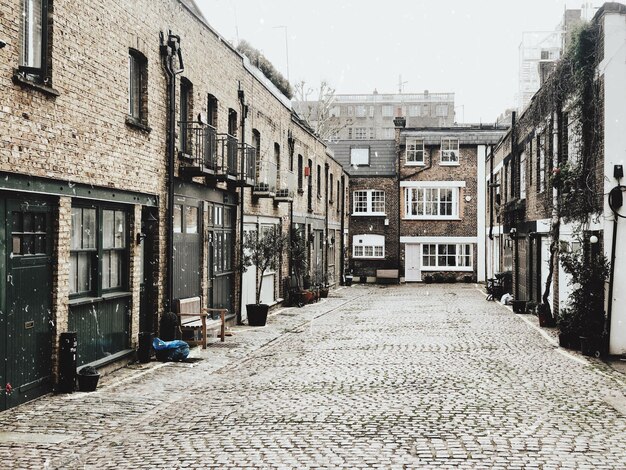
[
  {"x": 613, "y": 68},
  {"x": 480, "y": 213}
]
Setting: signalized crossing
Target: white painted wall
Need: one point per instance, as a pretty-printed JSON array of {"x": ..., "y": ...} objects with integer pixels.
[
  {"x": 613, "y": 67},
  {"x": 481, "y": 211}
]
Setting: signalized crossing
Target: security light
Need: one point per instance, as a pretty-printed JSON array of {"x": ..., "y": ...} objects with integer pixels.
[{"x": 2, "y": 44}]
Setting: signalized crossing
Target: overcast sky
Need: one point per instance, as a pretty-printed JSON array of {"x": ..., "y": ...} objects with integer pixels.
[{"x": 468, "y": 47}]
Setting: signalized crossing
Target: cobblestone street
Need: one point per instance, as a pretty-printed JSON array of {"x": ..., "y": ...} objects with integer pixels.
[{"x": 417, "y": 376}]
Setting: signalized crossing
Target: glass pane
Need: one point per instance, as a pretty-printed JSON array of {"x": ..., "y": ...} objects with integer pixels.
[
  {"x": 40, "y": 243},
  {"x": 28, "y": 222},
  {"x": 106, "y": 269},
  {"x": 28, "y": 245},
  {"x": 32, "y": 33},
  {"x": 17, "y": 245},
  {"x": 116, "y": 269},
  {"x": 107, "y": 229},
  {"x": 84, "y": 272},
  {"x": 76, "y": 228},
  {"x": 89, "y": 228},
  {"x": 178, "y": 218},
  {"x": 191, "y": 219},
  {"x": 120, "y": 229},
  {"x": 17, "y": 222},
  {"x": 73, "y": 262},
  {"x": 39, "y": 222}
]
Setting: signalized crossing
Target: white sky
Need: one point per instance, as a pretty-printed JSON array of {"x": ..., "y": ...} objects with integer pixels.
[{"x": 468, "y": 47}]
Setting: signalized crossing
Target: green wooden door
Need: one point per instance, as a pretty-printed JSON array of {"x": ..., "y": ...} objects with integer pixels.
[{"x": 27, "y": 323}]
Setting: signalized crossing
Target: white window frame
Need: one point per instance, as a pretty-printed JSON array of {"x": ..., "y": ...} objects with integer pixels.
[
  {"x": 464, "y": 261},
  {"x": 422, "y": 195},
  {"x": 441, "y": 110},
  {"x": 387, "y": 110},
  {"x": 414, "y": 110},
  {"x": 360, "y": 133},
  {"x": 363, "y": 201},
  {"x": 450, "y": 156},
  {"x": 368, "y": 246},
  {"x": 522, "y": 176},
  {"x": 415, "y": 152},
  {"x": 360, "y": 156},
  {"x": 361, "y": 110}
]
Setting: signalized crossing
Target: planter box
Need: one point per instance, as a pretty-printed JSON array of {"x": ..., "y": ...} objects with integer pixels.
[
  {"x": 257, "y": 314},
  {"x": 88, "y": 383},
  {"x": 519, "y": 306}
]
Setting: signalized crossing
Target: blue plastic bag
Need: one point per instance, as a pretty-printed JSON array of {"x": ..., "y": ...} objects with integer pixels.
[{"x": 176, "y": 350}]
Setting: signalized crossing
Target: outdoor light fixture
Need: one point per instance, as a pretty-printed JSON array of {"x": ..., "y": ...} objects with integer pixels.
[
  {"x": 593, "y": 239},
  {"x": 2, "y": 44},
  {"x": 512, "y": 233},
  {"x": 140, "y": 237}
]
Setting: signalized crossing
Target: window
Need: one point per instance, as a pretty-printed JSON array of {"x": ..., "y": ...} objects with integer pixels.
[
  {"x": 388, "y": 133},
  {"x": 369, "y": 202},
  {"x": 522, "y": 177},
  {"x": 350, "y": 111},
  {"x": 335, "y": 111},
  {"x": 87, "y": 275},
  {"x": 442, "y": 110},
  {"x": 431, "y": 203},
  {"x": 300, "y": 171},
  {"x": 360, "y": 133},
  {"x": 368, "y": 246},
  {"x": 185, "y": 115},
  {"x": 415, "y": 151},
  {"x": 233, "y": 124},
  {"x": 445, "y": 256},
  {"x": 387, "y": 111},
  {"x": 34, "y": 41},
  {"x": 319, "y": 181},
  {"x": 330, "y": 189},
  {"x": 361, "y": 111},
  {"x": 212, "y": 105},
  {"x": 541, "y": 163},
  {"x": 360, "y": 156},
  {"x": 449, "y": 151},
  {"x": 414, "y": 110},
  {"x": 137, "y": 87},
  {"x": 338, "y": 195},
  {"x": 371, "y": 111}
]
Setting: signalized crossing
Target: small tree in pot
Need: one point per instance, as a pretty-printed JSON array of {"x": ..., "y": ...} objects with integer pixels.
[{"x": 263, "y": 252}]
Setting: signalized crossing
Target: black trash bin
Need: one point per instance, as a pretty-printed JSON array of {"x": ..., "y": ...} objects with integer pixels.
[
  {"x": 67, "y": 362},
  {"x": 144, "y": 352}
]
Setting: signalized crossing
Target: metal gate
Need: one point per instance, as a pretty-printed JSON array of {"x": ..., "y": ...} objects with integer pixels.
[{"x": 26, "y": 322}]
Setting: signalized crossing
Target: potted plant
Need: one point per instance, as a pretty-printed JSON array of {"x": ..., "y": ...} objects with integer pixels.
[
  {"x": 325, "y": 287},
  {"x": 88, "y": 377},
  {"x": 261, "y": 252}
]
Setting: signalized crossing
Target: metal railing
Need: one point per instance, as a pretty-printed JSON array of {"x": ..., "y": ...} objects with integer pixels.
[
  {"x": 248, "y": 153},
  {"x": 287, "y": 184},
  {"x": 198, "y": 145},
  {"x": 227, "y": 146},
  {"x": 265, "y": 176}
]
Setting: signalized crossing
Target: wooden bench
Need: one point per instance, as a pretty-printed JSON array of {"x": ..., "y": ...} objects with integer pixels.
[
  {"x": 387, "y": 276},
  {"x": 194, "y": 318}
]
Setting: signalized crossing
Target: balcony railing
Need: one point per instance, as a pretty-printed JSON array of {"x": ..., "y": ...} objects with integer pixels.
[
  {"x": 265, "y": 184},
  {"x": 227, "y": 146},
  {"x": 286, "y": 187},
  {"x": 198, "y": 148},
  {"x": 248, "y": 153}
]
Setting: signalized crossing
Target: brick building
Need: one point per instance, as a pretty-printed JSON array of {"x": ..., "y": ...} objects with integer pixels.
[
  {"x": 554, "y": 179},
  {"x": 441, "y": 201},
  {"x": 136, "y": 147}
]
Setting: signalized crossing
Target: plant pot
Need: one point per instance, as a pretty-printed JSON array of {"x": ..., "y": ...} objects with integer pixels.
[
  {"x": 590, "y": 346},
  {"x": 324, "y": 292},
  {"x": 257, "y": 314},
  {"x": 519, "y": 306},
  {"x": 546, "y": 319},
  {"x": 349, "y": 280},
  {"x": 88, "y": 383}
]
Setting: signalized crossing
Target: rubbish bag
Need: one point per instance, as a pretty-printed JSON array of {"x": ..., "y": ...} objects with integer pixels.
[{"x": 175, "y": 350}]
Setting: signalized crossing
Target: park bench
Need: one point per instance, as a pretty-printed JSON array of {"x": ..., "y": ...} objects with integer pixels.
[
  {"x": 197, "y": 320},
  {"x": 387, "y": 276}
]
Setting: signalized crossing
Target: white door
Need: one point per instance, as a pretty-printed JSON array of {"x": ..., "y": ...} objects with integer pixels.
[
  {"x": 248, "y": 289},
  {"x": 412, "y": 271}
]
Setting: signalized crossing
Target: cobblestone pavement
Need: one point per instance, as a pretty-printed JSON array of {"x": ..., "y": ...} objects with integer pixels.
[{"x": 428, "y": 376}]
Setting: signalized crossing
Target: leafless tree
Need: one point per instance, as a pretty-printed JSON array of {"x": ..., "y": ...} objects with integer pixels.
[{"x": 317, "y": 106}]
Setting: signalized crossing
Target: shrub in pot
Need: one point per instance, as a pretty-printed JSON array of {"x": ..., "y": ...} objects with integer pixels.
[
  {"x": 428, "y": 279},
  {"x": 88, "y": 377},
  {"x": 263, "y": 253},
  {"x": 438, "y": 277}
]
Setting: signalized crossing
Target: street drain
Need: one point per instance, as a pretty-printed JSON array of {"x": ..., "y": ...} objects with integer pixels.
[{"x": 223, "y": 345}]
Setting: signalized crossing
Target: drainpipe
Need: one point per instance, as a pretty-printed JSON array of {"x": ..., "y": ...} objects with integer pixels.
[
  {"x": 244, "y": 112},
  {"x": 170, "y": 51},
  {"x": 399, "y": 123},
  {"x": 343, "y": 227},
  {"x": 326, "y": 168}
]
